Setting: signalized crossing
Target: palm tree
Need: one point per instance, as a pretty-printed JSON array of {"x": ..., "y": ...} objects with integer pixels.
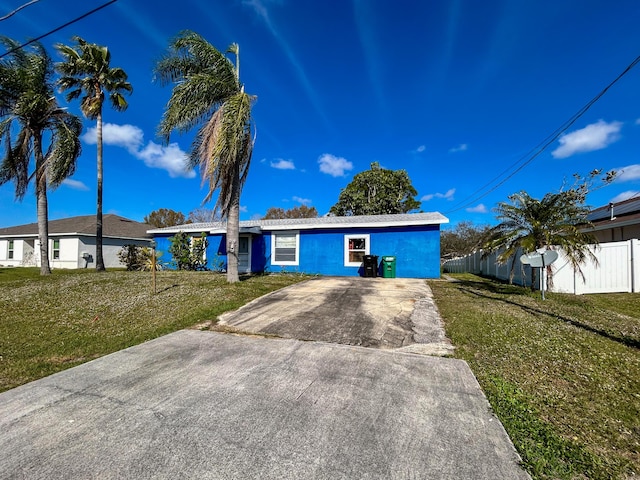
[
  {"x": 29, "y": 110},
  {"x": 207, "y": 93},
  {"x": 86, "y": 72},
  {"x": 527, "y": 224}
]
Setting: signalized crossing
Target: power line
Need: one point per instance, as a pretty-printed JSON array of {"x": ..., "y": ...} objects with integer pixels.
[
  {"x": 541, "y": 147},
  {"x": 10, "y": 14},
  {"x": 58, "y": 28}
]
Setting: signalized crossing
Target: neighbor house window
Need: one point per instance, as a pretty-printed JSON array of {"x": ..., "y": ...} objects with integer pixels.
[
  {"x": 285, "y": 248},
  {"x": 355, "y": 248},
  {"x": 56, "y": 249},
  {"x": 10, "y": 250}
]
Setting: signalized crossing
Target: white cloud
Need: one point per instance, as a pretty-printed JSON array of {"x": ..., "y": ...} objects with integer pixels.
[
  {"x": 628, "y": 173},
  {"x": 303, "y": 201},
  {"x": 170, "y": 158},
  {"x": 596, "y": 136},
  {"x": 460, "y": 148},
  {"x": 448, "y": 195},
  {"x": 480, "y": 208},
  {"x": 334, "y": 166},
  {"x": 282, "y": 164},
  {"x": 421, "y": 149},
  {"x": 244, "y": 209},
  {"x": 621, "y": 197},
  {"x": 75, "y": 184},
  {"x": 126, "y": 136},
  {"x": 638, "y": 121}
]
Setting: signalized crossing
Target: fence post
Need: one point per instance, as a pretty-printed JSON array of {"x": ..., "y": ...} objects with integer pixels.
[{"x": 635, "y": 265}]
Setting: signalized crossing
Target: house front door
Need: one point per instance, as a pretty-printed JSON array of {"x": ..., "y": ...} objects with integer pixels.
[{"x": 244, "y": 254}]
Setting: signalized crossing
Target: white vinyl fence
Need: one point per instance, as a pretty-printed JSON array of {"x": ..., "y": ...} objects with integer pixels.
[{"x": 617, "y": 270}]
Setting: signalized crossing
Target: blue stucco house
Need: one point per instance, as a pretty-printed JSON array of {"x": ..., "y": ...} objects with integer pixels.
[{"x": 332, "y": 246}]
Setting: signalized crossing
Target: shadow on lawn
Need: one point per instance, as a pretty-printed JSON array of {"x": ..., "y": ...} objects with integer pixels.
[{"x": 476, "y": 288}]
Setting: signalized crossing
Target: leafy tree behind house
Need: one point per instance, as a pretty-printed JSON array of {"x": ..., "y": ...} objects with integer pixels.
[
  {"x": 302, "y": 211},
  {"x": 165, "y": 217},
  {"x": 463, "y": 239},
  {"x": 203, "y": 215},
  {"x": 28, "y": 104},
  {"x": 207, "y": 92},
  {"x": 86, "y": 72},
  {"x": 377, "y": 191},
  {"x": 557, "y": 220}
]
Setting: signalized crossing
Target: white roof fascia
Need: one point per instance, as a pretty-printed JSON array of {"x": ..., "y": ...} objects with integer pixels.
[
  {"x": 185, "y": 228},
  {"x": 353, "y": 225},
  {"x": 26, "y": 235},
  {"x": 256, "y": 228},
  {"x": 243, "y": 230}
]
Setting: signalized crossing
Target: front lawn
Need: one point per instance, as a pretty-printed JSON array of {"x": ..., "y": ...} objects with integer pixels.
[
  {"x": 563, "y": 375},
  {"x": 51, "y": 323}
]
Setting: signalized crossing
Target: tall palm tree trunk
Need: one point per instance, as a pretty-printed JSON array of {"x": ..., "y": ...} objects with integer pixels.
[
  {"x": 99, "y": 258},
  {"x": 42, "y": 207},
  {"x": 233, "y": 229}
]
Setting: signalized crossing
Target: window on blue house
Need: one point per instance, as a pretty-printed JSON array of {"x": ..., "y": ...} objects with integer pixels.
[
  {"x": 199, "y": 248},
  {"x": 355, "y": 248},
  {"x": 285, "y": 248}
]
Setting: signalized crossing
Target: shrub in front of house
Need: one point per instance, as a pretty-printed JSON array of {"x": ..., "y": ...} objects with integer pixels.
[
  {"x": 136, "y": 257},
  {"x": 189, "y": 253}
]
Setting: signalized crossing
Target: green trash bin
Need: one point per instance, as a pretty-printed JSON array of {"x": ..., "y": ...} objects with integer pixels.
[{"x": 388, "y": 267}]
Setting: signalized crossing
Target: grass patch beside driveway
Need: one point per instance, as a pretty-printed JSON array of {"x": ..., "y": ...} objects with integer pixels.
[
  {"x": 563, "y": 375},
  {"x": 51, "y": 323}
]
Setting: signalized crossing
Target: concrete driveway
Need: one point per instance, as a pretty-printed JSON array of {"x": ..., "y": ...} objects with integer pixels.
[
  {"x": 369, "y": 312},
  {"x": 205, "y": 405}
]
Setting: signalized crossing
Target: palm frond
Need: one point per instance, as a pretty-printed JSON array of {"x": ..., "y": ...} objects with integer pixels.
[
  {"x": 86, "y": 71},
  {"x": 61, "y": 161}
]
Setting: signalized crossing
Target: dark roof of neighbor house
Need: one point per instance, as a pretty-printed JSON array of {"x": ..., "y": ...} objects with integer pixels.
[
  {"x": 616, "y": 214},
  {"x": 112, "y": 226},
  {"x": 355, "y": 221}
]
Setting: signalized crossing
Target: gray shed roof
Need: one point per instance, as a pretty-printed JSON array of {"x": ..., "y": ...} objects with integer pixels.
[
  {"x": 112, "y": 226},
  {"x": 356, "y": 221}
]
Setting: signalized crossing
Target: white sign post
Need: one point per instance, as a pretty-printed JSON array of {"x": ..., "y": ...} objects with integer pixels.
[{"x": 540, "y": 259}]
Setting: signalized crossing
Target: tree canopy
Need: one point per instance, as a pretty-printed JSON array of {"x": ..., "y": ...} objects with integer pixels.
[
  {"x": 302, "y": 211},
  {"x": 207, "y": 93},
  {"x": 86, "y": 73},
  {"x": 203, "y": 215},
  {"x": 463, "y": 239},
  {"x": 377, "y": 191},
  {"x": 30, "y": 117},
  {"x": 558, "y": 220},
  {"x": 165, "y": 217}
]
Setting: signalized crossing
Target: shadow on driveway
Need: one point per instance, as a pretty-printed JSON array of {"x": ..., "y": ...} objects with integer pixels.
[{"x": 368, "y": 312}]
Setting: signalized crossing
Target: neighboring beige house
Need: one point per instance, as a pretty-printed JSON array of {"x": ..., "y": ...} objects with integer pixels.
[
  {"x": 616, "y": 222},
  {"x": 72, "y": 242}
]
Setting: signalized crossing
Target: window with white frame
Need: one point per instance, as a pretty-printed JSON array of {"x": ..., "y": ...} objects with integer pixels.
[
  {"x": 355, "y": 248},
  {"x": 56, "y": 249},
  {"x": 10, "y": 250},
  {"x": 285, "y": 248},
  {"x": 199, "y": 247}
]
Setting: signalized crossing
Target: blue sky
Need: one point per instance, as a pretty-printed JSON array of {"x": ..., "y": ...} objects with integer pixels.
[{"x": 456, "y": 92}]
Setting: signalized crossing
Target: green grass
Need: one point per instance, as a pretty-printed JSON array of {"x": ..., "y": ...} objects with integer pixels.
[
  {"x": 51, "y": 323},
  {"x": 563, "y": 374}
]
